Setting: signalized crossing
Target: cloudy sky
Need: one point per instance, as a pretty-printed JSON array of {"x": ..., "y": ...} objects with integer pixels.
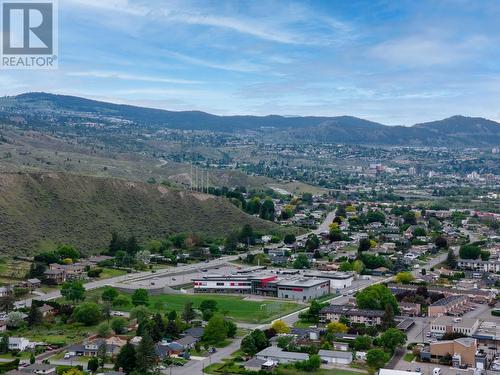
[{"x": 397, "y": 62}]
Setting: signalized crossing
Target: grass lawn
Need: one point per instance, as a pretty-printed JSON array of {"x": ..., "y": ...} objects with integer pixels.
[
  {"x": 111, "y": 272},
  {"x": 236, "y": 307},
  {"x": 22, "y": 355},
  {"x": 57, "y": 333},
  {"x": 301, "y": 324},
  {"x": 409, "y": 357}
]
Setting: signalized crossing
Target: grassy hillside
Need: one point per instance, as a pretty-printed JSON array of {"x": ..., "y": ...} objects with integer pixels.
[{"x": 68, "y": 208}]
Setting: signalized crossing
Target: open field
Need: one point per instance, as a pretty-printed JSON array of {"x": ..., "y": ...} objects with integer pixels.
[
  {"x": 12, "y": 271},
  {"x": 58, "y": 333},
  {"x": 234, "y": 307}
]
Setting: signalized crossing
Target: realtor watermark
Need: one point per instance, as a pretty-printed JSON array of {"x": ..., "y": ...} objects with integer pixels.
[{"x": 29, "y": 34}]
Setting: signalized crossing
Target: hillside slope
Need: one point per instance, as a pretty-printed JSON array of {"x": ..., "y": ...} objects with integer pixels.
[
  {"x": 69, "y": 114},
  {"x": 84, "y": 211}
]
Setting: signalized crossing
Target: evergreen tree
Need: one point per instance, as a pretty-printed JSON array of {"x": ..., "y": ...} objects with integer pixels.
[
  {"x": 451, "y": 260},
  {"x": 126, "y": 358},
  {"x": 132, "y": 246},
  {"x": 34, "y": 316},
  {"x": 188, "y": 313},
  {"x": 158, "y": 328},
  {"x": 388, "y": 318},
  {"x": 4, "y": 344},
  {"x": 146, "y": 355},
  {"x": 93, "y": 364},
  {"x": 101, "y": 354}
]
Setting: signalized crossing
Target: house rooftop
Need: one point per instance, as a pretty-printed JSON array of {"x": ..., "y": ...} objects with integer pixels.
[
  {"x": 274, "y": 351},
  {"x": 450, "y": 321}
]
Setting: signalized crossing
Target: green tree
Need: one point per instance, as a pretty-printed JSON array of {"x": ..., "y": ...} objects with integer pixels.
[
  {"x": 451, "y": 259},
  {"x": 362, "y": 343},
  {"x": 208, "y": 304},
  {"x": 140, "y": 297},
  {"x": 404, "y": 277},
  {"x": 441, "y": 242},
  {"x": 388, "y": 318},
  {"x": 188, "y": 313},
  {"x": 267, "y": 210},
  {"x": 392, "y": 338},
  {"x": 364, "y": 245},
  {"x": 101, "y": 354},
  {"x": 109, "y": 294},
  {"x": 376, "y": 297},
  {"x": 289, "y": 239},
  {"x": 103, "y": 329},
  {"x": 126, "y": 358},
  {"x": 140, "y": 313},
  {"x": 312, "y": 243},
  {"x": 34, "y": 316},
  {"x": 247, "y": 235},
  {"x": 93, "y": 364},
  {"x": 4, "y": 344},
  {"x": 119, "y": 325},
  {"x": 215, "y": 330},
  {"x": 301, "y": 262},
  {"x": 32, "y": 358},
  {"x": 376, "y": 358},
  {"x": 121, "y": 301},
  {"x": 231, "y": 328},
  {"x": 73, "y": 291},
  {"x": 87, "y": 313},
  {"x": 68, "y": 251},
  {"x": 145, "y": 355},
  {"x": 469, "y": 251}
]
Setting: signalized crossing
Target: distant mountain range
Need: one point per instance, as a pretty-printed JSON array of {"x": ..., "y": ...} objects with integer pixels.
[{"x": 43, "y": 110}]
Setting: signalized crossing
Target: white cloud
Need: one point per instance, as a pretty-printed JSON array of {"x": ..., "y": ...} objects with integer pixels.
[
  {"x": 428, "y": 50},
  {"x": 130, "y": 77},
  {"x": 240, "y": 66}
]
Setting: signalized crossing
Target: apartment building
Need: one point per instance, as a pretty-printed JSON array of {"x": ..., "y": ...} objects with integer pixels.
[
  {"x": 448, "y": 305},
  {"x": 333, "y": 313}
]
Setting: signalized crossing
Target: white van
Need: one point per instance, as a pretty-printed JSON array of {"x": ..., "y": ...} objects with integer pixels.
[{"x": 436, "y": 371}]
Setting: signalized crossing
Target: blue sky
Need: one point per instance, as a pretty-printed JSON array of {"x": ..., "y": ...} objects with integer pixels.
[{"x": 396, "y": 62}]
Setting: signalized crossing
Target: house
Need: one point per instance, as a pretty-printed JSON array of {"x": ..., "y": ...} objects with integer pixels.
[
  {"x": 56, "y": 276},
  {"x": 33, "y": 283},
  {"x": 46, "y": 310},
  {"x": 256, "y": 365},
  {"x": 20, "y": 343},
  {"x": 40, "y": 369},
  {"x": 196, "y": 332},
  {"x": 278, "y": 355},
  {"x": 384, "y": 371},
  {"x": 335, "y": 357},
  {"x": 90, "y": 348},
  {"x": 187, "y": 342}
]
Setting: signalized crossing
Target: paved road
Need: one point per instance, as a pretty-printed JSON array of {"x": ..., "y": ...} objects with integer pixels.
[{"x": 196, "y": 367}]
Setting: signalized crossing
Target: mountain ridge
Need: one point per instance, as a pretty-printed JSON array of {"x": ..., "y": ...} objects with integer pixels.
[{"x": 452, "y": 131}]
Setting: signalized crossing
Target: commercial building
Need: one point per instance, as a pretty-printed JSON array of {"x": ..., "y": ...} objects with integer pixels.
[
  {"x": 295, "y": 288},
  {"x": 338, "y": 280},
  {"x": 303, "y": 289},
  {"x": 447, "y": 324},
  {"x": 462, "y": 351},
  {"x": 448, "y": 305},
  {"x": 333, "y": 313}
]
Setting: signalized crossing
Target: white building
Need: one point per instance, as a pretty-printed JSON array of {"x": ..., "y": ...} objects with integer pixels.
[
  {"x": 335, "y": 357},
  {"x": 20, "y": 343}
]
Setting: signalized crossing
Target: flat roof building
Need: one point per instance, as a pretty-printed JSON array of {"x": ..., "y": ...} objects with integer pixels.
[{"x": 447, "y": 324}]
